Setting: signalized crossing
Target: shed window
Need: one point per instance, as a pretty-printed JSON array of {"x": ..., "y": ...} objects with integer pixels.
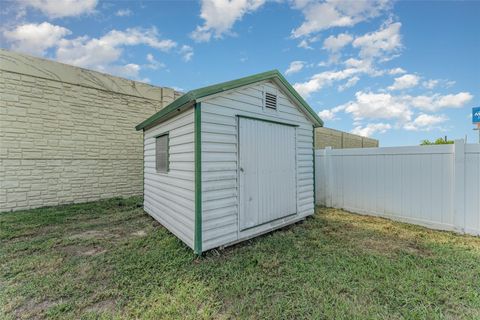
[{"x": 161, "y": 153}]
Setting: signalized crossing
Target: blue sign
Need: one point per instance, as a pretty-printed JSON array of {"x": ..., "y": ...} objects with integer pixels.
[{"x": 476, "y": 115}]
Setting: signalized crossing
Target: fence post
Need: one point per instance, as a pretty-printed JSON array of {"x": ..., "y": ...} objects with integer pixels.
[
  {"x": 459, "y": 185},
  {"x": 328, "y": 176}
]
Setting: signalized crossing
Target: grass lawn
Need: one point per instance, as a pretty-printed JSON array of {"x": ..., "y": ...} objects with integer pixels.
[{"x": 109, "y": 259}]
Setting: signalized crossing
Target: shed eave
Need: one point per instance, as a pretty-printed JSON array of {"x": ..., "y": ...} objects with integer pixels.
[{"x": 193, "y": 95}]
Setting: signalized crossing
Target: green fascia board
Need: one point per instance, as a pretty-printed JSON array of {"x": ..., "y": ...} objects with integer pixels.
[
  {"x": 193, "y": 95},
  {"x": 183, "y": 100},
  {"x": 317, "y": 121}
]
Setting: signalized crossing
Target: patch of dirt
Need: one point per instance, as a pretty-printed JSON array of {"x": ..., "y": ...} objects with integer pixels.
[
  {"x": 139, "y": 233},
  {"x": 93, "y": 252},
  {"x": 414, "y": 248},
  {"x": 93, "y": 234},
  {"x": 102, "y": 306},
  {"x": 83, "y": 269},
  {"x": 32, "y": 309},
  {"x": 83, "y": 250}
]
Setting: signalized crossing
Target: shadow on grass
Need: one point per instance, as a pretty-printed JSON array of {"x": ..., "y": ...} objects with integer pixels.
[{"x": 109, "y": 259}]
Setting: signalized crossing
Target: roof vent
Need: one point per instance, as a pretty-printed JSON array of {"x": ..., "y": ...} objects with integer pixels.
[{"x": 270, "y": 100}]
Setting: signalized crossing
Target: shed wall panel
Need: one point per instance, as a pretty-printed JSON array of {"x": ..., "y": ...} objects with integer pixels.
[
  {"x": 220, "y": 197},
  {"x": 170, "y": 197}
]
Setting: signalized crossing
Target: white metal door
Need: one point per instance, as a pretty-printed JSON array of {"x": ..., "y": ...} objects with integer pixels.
[{"x": 267, "y": 172}]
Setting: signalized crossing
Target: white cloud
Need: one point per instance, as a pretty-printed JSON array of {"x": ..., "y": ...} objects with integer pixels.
[
  {"x": 436, "y": 102},
  {"x": 220, "y": 15},
  {"x": 449, "y": 83},
  {"x": 102, "y": 54},
  {"x": 433, "y": 83},
  {"x": 387, "y": 106},
  {"x": 378, "y": 106},
  {"x": 327, "y": 114},
  {"x": 336, "y": 13},
  {"x": 396, "y": 71},
  {"x": 98, "y": 52},
  {"x": 334, "y": 44},
  {"x": 178, "y": 89},
  {"x": 34, "y": 38},
  {"x": 371, "y": 128},
  {"x": 186, "y": 52},
  {"x": 320, "y": 80},
  {"x": 330, "y": 114},
  {"x": 379, "y": 43},
  {"x": 363, "y": 66},
  {"x": 425, "y": 122},
  {"x": 404, "y": 82},
  {"x": 153, "y": 63},
  {"x": 151, "y": 58},
  {"x": 430, "y": 84},
  {"x": 398, "y": 108},
  {"x": 123, "y": 13},
  {"x": 130, "y": 70},
  {"x": 64, "y": 8},
  {"x": 454, "y": 100},
  {"x": 305, "y": 44},
  {"x": 295, "y": 66},
  {"x": 350, "y": 83}
]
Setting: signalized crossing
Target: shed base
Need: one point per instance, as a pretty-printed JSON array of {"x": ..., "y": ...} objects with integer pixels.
[{"x": 279, "y": 226}]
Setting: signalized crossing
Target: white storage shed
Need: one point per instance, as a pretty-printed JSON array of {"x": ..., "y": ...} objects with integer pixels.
[{"x": 230, "y": 161}]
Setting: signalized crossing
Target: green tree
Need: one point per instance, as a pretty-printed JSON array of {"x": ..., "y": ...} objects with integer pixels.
[{"x": 438, "y": 141}]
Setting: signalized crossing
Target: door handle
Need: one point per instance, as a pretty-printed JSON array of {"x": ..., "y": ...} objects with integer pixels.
[{"x": 241, "y": 169}]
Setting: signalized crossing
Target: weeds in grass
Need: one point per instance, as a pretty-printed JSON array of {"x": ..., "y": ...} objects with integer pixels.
[{"x": 110, "y": 260}]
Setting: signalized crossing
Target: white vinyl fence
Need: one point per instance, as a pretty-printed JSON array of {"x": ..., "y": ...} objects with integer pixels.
[{"x": 434, "y": 186}]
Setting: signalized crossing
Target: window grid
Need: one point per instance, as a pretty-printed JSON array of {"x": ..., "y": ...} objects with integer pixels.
[{"x": 161, "y": 153}]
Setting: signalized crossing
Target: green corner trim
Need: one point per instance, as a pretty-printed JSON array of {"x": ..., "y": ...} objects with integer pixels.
[
  {"x": 314, "y": 178},
  {"x": 198, "y": 180},
  {"x": 193, "y": 95}
]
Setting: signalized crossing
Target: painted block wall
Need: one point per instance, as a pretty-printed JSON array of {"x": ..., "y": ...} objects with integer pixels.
[
  {"x": 67, "y": 134},
  {"x": 327, "y": 137}
]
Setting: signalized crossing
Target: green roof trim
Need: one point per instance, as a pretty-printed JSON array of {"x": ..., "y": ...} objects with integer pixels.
[{"x": 193, "y": 95}]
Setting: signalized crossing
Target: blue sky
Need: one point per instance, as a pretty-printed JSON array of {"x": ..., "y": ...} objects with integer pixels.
[{"x": 398, "y": 71}]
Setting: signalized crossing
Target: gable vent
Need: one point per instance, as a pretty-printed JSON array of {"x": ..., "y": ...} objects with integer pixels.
[{"x": 270, "y": 100}]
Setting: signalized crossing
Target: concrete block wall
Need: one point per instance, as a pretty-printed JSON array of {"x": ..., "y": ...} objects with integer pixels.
[
  {"x": 67, "y": 134},
  {"x": 326, "y": 137}
]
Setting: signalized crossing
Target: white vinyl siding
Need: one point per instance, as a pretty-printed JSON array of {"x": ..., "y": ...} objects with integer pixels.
[
  {"x": 434, "y": 186},
  {"x": 169, "y": 196},
  {"x": 220, "y": 198}
]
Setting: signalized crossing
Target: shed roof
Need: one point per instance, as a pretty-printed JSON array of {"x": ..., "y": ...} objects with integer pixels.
[{"x": 193, "y": 95}]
